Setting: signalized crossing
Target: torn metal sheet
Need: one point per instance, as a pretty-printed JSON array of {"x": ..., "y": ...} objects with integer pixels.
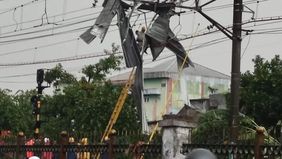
[
  {"x": 137, "y": 89},
  {"x": 156, "y": 6},
  {"x": 87, "y": 36},
  {"x": 160, "y": 36},
  {"x": 130, "y": 48},
  {"x": 157, "y": 35},
  {"x": 103, "y": 21},
  {"x": 175, "y": 46}
]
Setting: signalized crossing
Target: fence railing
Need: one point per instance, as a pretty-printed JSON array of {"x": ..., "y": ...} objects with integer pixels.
[
  {"x": 222, "y": 151},
  {"x": 118, "y": 150}
]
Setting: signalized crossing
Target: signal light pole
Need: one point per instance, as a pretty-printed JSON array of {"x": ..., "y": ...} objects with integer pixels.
[{"x": 36, "y": 101}]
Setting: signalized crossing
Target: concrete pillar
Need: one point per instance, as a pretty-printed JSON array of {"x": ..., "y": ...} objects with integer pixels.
[{"x": 175, "y": 132}]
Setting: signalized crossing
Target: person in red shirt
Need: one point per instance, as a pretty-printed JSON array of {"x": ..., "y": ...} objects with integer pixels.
[{"x": 29, "y": 143}]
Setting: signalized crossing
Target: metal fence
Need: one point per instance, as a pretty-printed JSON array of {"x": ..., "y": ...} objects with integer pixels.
[
  {"x": 84, "y": 151},
  {"x": 129, "y": 151},
  {"x": 248, "y": 151}
]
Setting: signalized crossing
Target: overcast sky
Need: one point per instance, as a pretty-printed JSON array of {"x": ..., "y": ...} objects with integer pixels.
[{"x": 23, "y": 38}]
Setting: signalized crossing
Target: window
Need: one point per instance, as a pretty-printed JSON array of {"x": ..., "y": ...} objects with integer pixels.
[{"x": 146, "y": 99}]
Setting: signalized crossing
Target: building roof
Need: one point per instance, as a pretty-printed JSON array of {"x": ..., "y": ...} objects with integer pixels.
[{"x": 167, "y": 68}]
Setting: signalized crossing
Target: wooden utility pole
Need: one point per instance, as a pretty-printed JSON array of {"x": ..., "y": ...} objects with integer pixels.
[{"x": 235, "y": 70}]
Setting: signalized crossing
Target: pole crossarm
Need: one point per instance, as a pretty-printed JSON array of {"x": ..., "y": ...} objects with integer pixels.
[{"x": 198, "y": 8}]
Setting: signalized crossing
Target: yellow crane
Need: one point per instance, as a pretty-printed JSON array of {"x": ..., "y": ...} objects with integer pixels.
[{"x": 118, "y": 106}]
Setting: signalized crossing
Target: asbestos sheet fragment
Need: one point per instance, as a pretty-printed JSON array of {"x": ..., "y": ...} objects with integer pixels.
[{"x": 130, "y": 48}]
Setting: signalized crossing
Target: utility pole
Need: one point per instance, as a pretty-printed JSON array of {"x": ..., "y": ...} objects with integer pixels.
[{"x": 235, "y": 70}]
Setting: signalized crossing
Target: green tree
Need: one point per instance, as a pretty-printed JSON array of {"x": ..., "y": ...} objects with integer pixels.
[
  {"x": 6, "y": 105},
  {"x": 58, "y": 76},
  {"x": 260, "y": 91},
  {"x": 83, "y": 105},
  {"x": 213, "y": 128},
  {"x": 86, "y": 105},
  {"x": 15, "y": 111}
]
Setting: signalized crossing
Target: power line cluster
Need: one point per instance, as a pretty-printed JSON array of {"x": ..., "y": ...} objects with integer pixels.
[
  {"x": 20, "y": 6},
  {"x": 81, "y": 19},
  {"x": 89, "y": 19}
]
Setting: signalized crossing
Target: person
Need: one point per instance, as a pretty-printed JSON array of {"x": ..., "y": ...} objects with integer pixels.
[
  {"x": 47, "y": 155},
  {"x": 105, "y": 155},
  {"x": 140, "y": 37},
  {"x": 84, "y": 155},
  {"x": 200, "y": 153},
  {"x": 71, "y": 154},
  {"x": 29, "y": 143}
]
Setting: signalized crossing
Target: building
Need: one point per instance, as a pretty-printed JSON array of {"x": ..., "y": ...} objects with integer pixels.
[{"x": 166, "y": 90}]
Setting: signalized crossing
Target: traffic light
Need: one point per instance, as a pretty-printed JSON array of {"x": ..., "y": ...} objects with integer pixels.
[{"x": 40, "y": 76}]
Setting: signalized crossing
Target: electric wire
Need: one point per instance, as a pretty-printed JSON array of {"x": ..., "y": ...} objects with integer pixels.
[
  {"x": 59, "y": 27},
  {"x": 64, "y": 59},
  {"x": 37, "y": 47},
  {"x": 15, "y": 20},
  {"x": 268, "y": 32},
  {"x": 138, "y": 14},
  {"x": 9, "y": 41},
  {"x": 246, "y": 47},
  {"x": 277, "y": 19},
  {"x": 19, "y": 6},
  {"x": 17, "y": 75},
  {"x": 57, "y": 15},
  {"x": 17, "y": 82},
  {"x": 51, "y": 34}
]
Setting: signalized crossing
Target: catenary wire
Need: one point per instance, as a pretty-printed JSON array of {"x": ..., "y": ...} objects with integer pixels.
[
  {"x": 138, "y": 14},
  {"x": 19, "y": 6},
  {"x": 37, "y": 47}
]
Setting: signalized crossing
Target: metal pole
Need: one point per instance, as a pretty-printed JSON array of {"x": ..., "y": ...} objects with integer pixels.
[
  {"x": 39, "y": 79},
  {"x": 235, "y": 70},
  {"x": 37, "y": 114}
]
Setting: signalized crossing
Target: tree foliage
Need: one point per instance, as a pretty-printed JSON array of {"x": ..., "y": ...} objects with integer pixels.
[
  {"x": 260, "y": 91},
  {"x": 15, "y": 111},
  {"x": 58, "y": 76},
  {"x": 213, "y": 128},
  {"x": 261, "y": 102},
  {"x": 79, "y": 106}
]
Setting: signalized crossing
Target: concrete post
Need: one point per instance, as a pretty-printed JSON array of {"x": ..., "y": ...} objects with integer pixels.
[
  {"x": 63, "y": 142},
  {"x": 259, "y": 142},
  {"x": 20, "y": 142},
  {"x": 175, "y": 133}
]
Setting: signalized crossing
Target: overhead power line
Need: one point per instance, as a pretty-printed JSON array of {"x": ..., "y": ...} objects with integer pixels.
[
  {"x": 72, "y": 58},
  {"x": 51, "y": 17},
  {"x": 45, "y": 35},
  {"x": 56, "y": 22},
  {"x": 17, "y": 82},
  {"x": 53, "y": 34},
  {"x": 18, "y": 75},
  {"x": 19, "y": 6},
  {"x": 48, "y": 29},
  {"x": 208, "y": 31},
  {"x": 42, "y": 46}
]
